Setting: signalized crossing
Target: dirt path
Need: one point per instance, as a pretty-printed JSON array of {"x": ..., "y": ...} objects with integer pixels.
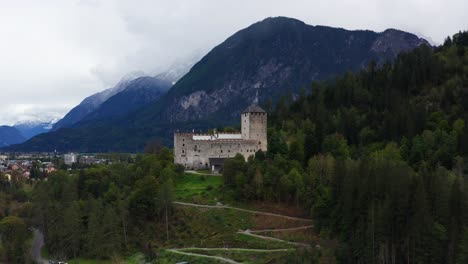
[
  {"x": 180, "y": 251},
  {"x": 243, "y": 210},
  {"x": 247, "y": 233},
  {"x": 280, "y": 229},
  {"x": 227, "y": 260},
  {"x": 238, "y": 249},
  {"x": 202, "y": 174}
]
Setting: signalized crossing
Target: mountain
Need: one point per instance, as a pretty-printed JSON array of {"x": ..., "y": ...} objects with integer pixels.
[
  {"x": 136, "y": 94},
  {"x": 180, "y": 67},
  {"x": 274, "y": 57},
  {"x": 9, "y": 136},
  {"x": 92, "y": 102},
  {"x": 30, "y": 129}
]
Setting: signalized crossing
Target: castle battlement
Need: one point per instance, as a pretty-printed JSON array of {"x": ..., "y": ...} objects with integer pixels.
[{"x": 205, "y": 150}]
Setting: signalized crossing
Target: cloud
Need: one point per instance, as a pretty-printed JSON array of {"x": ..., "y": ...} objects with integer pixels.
[{"x": 54, "y": 53}]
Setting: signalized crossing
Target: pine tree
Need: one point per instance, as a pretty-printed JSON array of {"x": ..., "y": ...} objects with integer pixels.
[
  {"x": 13, "y": 234},
  {"x": 95, "y": 234},
  {"x": 73, "y": 230},
  {"x": 110, "y": 233}
]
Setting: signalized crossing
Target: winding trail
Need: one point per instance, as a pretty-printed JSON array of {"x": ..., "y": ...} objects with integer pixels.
[
  {"x": 181, "y": 252},
  {"x": 239, "y": 249},
  {"x": 247, "y": 232},
  {"x": 281, "y": 229},
  {"x": 203, "y": 174},
  {"x": 242, "y": 210}
]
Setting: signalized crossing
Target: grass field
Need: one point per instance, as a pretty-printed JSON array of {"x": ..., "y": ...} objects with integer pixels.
[{"x": 201, "y": 188}]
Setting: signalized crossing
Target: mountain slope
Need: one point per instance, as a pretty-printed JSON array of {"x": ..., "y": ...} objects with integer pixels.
[
  {"x": 9, "y": 136},
  {"x": 91, "y": 103},
  {"x": 275, "y": 57},
  {"x": 180, "y": 67},
  {"x": 136, "y": 94}
]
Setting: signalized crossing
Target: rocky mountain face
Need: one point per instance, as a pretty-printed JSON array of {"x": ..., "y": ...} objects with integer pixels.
[
  {"x": 9, "y": 136},
  {"x": 274, "y": 57}
]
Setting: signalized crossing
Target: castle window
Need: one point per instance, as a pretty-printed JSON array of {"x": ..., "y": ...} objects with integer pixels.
[
  {"x": 183, "y": 151},
  {"x": 183, "y": 145}
]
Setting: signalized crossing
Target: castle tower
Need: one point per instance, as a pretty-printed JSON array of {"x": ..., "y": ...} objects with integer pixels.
[{"x": 254, "y": 125}]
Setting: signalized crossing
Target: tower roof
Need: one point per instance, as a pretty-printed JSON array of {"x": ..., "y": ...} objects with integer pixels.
[{"x": 254, "y": 108}]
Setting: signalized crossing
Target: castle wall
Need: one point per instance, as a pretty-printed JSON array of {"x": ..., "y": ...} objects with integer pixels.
[
  {"x": 195, "y": 154},
  {"x": 195, "y": 150}
]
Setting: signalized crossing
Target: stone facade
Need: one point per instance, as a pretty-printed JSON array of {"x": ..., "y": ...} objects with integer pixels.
[{"x": 204, "y": 151}]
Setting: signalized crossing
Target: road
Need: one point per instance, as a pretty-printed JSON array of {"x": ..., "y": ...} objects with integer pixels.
[{"x": 36, "y": 249}]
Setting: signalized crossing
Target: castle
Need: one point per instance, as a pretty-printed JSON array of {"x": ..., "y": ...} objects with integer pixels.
[{"x": 208, "y": 151}]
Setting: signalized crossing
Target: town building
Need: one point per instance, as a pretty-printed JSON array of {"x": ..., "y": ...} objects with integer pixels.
[
  {"x": 70, "y": 158},
  {"x": 208, "y": 151}
]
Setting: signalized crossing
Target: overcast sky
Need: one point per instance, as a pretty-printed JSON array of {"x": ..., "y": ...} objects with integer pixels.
[{"x": 55, "y": 53}]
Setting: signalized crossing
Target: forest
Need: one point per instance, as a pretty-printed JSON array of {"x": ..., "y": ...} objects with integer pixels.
[
  {"x": 377, "y": 158},
  {"x": 98, "y": 213}
]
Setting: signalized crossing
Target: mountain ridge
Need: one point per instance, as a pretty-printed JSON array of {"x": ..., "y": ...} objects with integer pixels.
[
  {"x": 10, "y": 135},
  {"x": 92, "y": 102},
  {"x": 137, "y": 93}
]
